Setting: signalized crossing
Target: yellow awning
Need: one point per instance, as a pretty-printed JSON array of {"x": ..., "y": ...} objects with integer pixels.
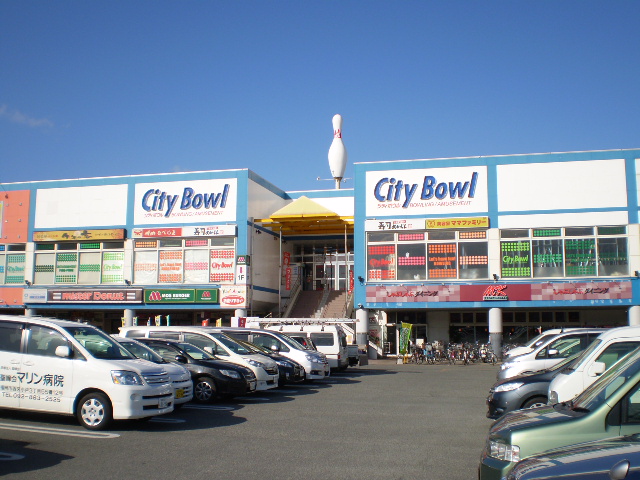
[{"x": 306, "y": 217}]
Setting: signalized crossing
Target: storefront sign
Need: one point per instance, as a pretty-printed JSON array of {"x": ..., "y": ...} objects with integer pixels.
[
  {"x": 427, "y": 190},
  {"x": 34, "y": 295},
  {"x": 61, "y": 235},
  {"x": 100, "y": 295},
  {"x": 233, "y": 296},
  {"x": 208, "y": 231},
  {"x": 398, "y": 224},
  {"x": 186, "y": 202},
  {"x": 183, "y": 295},
  {"x": 457, "y": 223}
]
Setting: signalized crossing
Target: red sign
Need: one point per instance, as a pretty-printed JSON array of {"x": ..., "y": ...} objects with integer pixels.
[
  {"x": 287, "y": 278},
  {"x": 495, "y": 292}
]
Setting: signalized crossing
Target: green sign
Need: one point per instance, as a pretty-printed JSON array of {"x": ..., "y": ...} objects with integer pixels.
[{"x": 183, "y": 295}]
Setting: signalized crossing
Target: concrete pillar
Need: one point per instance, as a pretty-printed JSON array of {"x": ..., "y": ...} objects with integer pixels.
[
  {"x": 634, "y": 316},
  {"x": 495, "y": 331},
  {"x": 362, "y": 326},
  {"x": 240, "y": 312},
  {"x": 28, "y": 312},
  {"x": 128, "y": 317}
]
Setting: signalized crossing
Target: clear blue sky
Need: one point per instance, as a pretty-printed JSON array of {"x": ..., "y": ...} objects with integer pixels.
[{"x": 106, "y": 88}]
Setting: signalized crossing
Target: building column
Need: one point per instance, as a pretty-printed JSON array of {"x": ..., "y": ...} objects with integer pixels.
[
  {"x": 634, "y": 316},
  {"x": 28, "y": 312},
  {"x": 240, "y": 312},
  {"x": 128, "y": 317},
  {"x": 495, "y": 331},
  {"x": 362, "y": 326}
]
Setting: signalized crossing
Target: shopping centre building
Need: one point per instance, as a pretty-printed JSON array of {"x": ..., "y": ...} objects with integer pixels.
[{"x": 459, "y": 247}]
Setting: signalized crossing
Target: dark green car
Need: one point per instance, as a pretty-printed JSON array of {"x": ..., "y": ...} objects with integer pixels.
[{"x": 610, "y": 407}]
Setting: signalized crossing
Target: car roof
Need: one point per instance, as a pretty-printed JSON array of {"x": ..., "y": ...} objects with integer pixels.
[{"x": 43, "y": 321}]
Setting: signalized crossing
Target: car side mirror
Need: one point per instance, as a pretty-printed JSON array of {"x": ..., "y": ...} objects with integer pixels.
[
  {"x": 63, "y": 351},
  {"x": 181, "y": 359},
  {"x": 598, "y": 368},
  {"x": 209, "y": 350},
  {"x": 553, "y": 352}
]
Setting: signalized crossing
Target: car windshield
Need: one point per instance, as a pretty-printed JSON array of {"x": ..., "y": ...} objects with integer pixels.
[
  {"x": 231, "y": 344},
  {"x": 253, "y": 348},
  {"x": 585, "y": 353},
  {"x": 142, "y": 351},
  {"x": 196, "y": 352},
  {"x": 609, "y": 382},
  {"x": 568, "y": 362},
  {"x": 99, "y": 344}
]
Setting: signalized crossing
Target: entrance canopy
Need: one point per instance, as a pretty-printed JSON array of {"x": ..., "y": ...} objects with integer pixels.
[{"x": 306, "y": 217}]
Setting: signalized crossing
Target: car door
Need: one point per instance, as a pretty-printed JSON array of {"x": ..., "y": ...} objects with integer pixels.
[
  {"x": 10, "y": 362},
  {"x": 46, "y": 379}
]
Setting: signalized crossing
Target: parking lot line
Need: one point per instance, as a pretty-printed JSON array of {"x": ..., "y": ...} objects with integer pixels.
[{"x": 57, "y": 431}]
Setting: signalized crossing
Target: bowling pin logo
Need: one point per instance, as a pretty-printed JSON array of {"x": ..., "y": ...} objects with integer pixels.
[{"x": 337, "y": 152}]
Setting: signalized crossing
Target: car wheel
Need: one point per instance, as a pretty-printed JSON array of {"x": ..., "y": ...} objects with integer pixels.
[
  {"x": 94, "y": 411},
  {"x": 535, "y": 402},
  {"x": 204, "y": 390}
]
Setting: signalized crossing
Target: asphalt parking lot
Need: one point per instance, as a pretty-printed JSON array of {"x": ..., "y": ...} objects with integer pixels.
[{"x": 380, "y": 421}]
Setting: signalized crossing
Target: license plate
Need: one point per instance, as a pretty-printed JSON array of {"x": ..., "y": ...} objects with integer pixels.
[
  {"x": 163, "y": 403},
  {"x": 180, "y": 393}
]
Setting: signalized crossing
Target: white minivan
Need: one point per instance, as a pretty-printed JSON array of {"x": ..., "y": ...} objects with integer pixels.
[
  {"x": 329, "y": 339},
  {"x": 550, "y": 352},
  {"x": 535, "y": 342},
  {"x": 603, "y": 353},
  {"x": 316, "y": 365},
  {"x": 71, "y": 368},
  {"x": 216, "y": 343}
]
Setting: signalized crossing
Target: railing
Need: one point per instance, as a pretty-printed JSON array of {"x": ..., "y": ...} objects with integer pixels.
[{"x": 296, "y": 288}]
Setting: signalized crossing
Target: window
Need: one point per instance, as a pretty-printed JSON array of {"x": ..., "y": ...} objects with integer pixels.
[
  {"x": 10, "y": 336},
  {"x": 185, "y": 260},
  {"x": 12, "y": 265},
  {"x": 84, "y": 263},
  {"x": 44, "y": 341}
]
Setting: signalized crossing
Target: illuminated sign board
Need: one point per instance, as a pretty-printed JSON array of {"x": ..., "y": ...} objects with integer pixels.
[{"x": 61, "y": 235}]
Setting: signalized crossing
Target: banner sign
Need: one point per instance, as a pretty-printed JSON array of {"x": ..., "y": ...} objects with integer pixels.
[
  {"x": 470, "y": 222},
  {"x": 501, "y": 292},
  {"x": 233, "y": 296},
  {"x": 391, "y": 224},
  {"x": 97, "y": 295},
  {"x": 60, "y": 235},
  {"x": 34, "y": 295},
  {"x": 208, "y": 231},
  {"x": 184, "y": 295}
]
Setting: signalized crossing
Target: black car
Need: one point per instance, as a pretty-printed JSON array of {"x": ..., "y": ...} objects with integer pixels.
[
  {"x": 212, "y": 378},
  {"x": 290, "y": 370},
  {"x": 523, "y": 391}
]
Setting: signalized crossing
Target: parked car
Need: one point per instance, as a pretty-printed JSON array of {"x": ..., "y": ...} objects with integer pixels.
[
  {"x": 212, "y": 378},
  {"x": 179, "y": 375},
  {"x": 611, "y": 459},
  {"x": 524, "y": 391},
  {"x": 80, "y": 370},
  {"x": 550, "y": 352},
  {"x": 315, "y": 364},
  {"x": 215, "y": 343},
  {"x": 610, "y": 407},
  {"x": 535, "y": 342},
  {"x": 290, "y": 371},
  {"x": 606, "y": 350}
]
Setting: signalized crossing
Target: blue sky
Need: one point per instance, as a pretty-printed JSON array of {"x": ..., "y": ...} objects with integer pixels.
[{"x": 90, "y": 88}]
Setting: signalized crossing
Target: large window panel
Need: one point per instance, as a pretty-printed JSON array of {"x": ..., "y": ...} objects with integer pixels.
[
  {"x": 547, "y": 258},
  {"x": 66, "y": 268},
  {"x": 473, "y": 260},
  {"x": 516, "y": 259},
  {"x": 412, "y": 261},
  {"x": 145, "y": 267},
  {"x": 442, "y": 261},
  {"x": 44, "y": 269},
  {"x": 381, "y": 262},
  {"x": 170, "y": 267},
  {"x": 613, "y": 257},
  {"x": 90, "y": 268},
  {"x": 196, "y": 266},
  {"x": 580, "y": 257},
  {"x": 113, "y": 267}
]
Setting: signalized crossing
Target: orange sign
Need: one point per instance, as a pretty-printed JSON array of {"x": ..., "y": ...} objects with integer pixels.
[{"x": 57, "y": 235}]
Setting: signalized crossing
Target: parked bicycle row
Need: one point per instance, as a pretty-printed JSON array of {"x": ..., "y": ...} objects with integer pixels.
[{"x": 451, "y": 354}]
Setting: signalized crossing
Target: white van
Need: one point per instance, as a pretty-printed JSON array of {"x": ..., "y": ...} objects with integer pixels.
[
  {"x": 550, "y": 352},
  {"x": 316, "y": 365},
  {"x": 329, "y": 339},
  {"x": 536, "y": 342},
  {"x": 604, "y": 352},
  {"x": 216, "y": 343},
  {"x": 70, "y": 368}
]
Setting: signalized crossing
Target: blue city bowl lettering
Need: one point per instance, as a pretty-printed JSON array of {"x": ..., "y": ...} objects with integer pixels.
[{"x": 155, "y": 200}]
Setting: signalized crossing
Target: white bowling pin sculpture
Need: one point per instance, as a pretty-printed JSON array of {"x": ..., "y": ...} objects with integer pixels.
[{"x": 337, "y": 152}]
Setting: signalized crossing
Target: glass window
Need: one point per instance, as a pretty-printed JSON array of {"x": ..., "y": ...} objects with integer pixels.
[
  {"x": 473, "y": 259},
  {"x": 412, "y": 261},
  {"x": 580, "y": 257},
  {"x": 547, "y": 258},
  {"x": 44, "y": 341},
  {"x": 381, "y": 262},
  {"x": 516, "y": 259},
  {"x": 322, "y": 339},
  {"x": 10, "y": 336},
  {"x": 612, "y": 257},
  {"x": 442, "y": 260}
]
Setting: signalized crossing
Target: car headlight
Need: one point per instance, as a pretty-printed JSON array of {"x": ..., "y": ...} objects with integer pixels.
[
  {"x": 504, "y": 452},
  {"x": 314, "y": 359},
  {"x": 255, "y": 363},
  {"x": 231, "y": 373},
  {"x": 504, "y": 366},
  {"x": 507, "y": 387},
  {"x": 553, "y": 397},
  {"x": 124, "y": 377}
]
